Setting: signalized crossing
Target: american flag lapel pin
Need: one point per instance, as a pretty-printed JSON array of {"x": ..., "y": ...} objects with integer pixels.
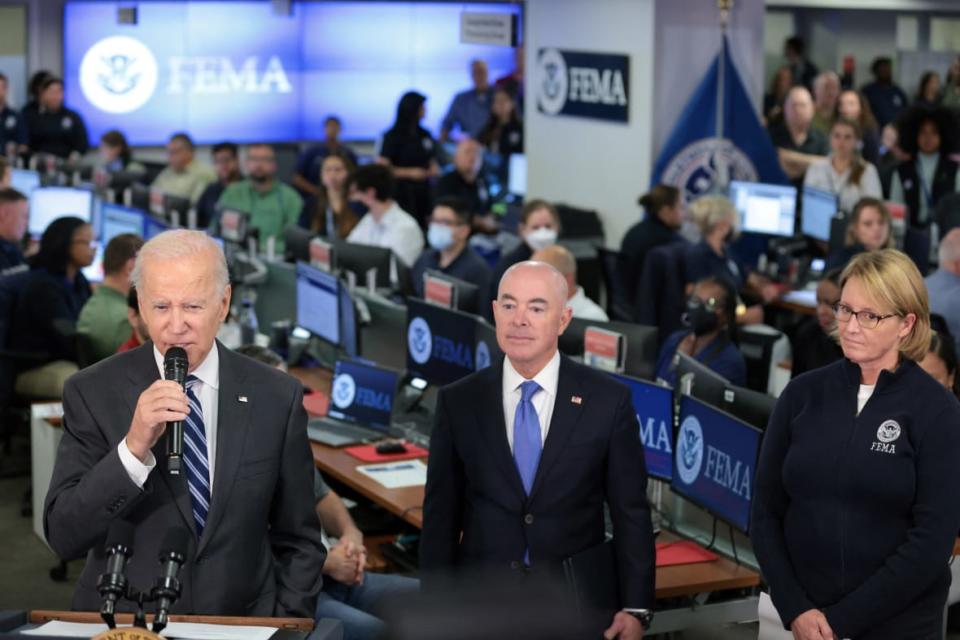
[
  {"x": 576, "y": 399},
  {"x": 241, "y": 398}
]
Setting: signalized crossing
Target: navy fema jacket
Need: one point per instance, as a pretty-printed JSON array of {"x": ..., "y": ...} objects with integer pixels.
[{"x": 857, "y": 515}]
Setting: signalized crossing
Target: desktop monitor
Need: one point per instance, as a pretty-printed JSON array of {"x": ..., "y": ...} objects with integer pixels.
[
  {"x": 49, "y": 203},
  {"x": 654, "y": 406},
  {"x": 93, "y": 272},
  {"x": 753, "y": 407},
  {"x": 116, "y": 219},
  {"x": 706, "y": 384},
  {"x": 153, "y": 226},
  {"x": 816, "y": 213},
  {"x": 363, "y": 392},
  {"x": 765, "y": 208},
  {"x": 467, "y": 294},
  {"x": 296, "y": 242},
  {"x": 178, "y": 204},
  {"x": 139, "y": 196},
  {"x": 384, "y": 338},
  {"x": 24, "y": 180},
  {"x": 641, "y": 343},
  {"x": 349, "y": 323},
  {"x": 360, "y": 258},
  {"x": 318, "y": 303},
  {"x": 277, "y": 297},
  {"x": 440, "y": 342},
  {"x": 715, "y": 461},
  {"x": 517, "y": 174}
]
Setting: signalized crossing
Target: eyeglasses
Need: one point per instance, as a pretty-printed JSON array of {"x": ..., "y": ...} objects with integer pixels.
[
  {"x": 866, "y": 319},
  {"x": 710, "y": 304}
]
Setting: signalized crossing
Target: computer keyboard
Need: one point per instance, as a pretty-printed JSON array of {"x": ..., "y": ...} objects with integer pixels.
[{"x": 320, "y": 428}]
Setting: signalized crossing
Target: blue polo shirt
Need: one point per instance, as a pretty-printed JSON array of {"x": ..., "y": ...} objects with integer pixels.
[{"x": 470, "y": 110}]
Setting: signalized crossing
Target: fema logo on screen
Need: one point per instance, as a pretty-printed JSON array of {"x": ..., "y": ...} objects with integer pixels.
[
  {"x": 483, "y": 355},
  {"x": 704, "y": 166},
  {"x": 118, "y": 74},
  {"x": 689, "y": 450},
  {"x": 419, "y": 340},
  {"x": 344, "y": 390},
  {"x": 552, "y": 82}
]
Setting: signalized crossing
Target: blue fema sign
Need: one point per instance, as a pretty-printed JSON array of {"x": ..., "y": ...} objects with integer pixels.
[
  {"x": 581, "y": 84},
  {"x": 344, "y": 390},
  {"x": 689, "y": 450},
  {"x": 419, "y": 340}
]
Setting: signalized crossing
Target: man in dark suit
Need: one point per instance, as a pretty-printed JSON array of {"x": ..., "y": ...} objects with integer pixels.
[
  {"x": 494, "y": 503},
  {"x": 245, "y": 493}
]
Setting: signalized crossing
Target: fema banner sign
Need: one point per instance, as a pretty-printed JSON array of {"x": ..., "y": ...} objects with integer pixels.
[{"x": 585, "y": 85}]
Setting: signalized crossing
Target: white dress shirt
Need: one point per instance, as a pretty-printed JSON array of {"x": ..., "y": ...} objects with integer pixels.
[
  {"x": 207, "y": 391},
  {"x": 543, "y": 400},
  {"x": 585, "y": 308},
  {"x": 396, "y": 230},
  {"x": 821, "y": 175}
]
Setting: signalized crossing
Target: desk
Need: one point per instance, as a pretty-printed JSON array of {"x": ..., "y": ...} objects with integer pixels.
[{"x": 803, "y": 302}]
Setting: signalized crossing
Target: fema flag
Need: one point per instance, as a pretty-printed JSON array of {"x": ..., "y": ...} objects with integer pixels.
[{"x": 698, "y": 159}]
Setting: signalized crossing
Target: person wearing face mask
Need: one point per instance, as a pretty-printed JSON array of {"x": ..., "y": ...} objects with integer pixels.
[
  {"x": 272, "y": 205},
  {"x": 710, "y": 336},
  {"x": 539, "y": 228},
  {"x": 813, "y": 344},
  {"x": 869, "y": 229},
  {"x": 447, "y": 234}
]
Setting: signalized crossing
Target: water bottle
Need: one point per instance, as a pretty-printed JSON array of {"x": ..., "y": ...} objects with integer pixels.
[{"x": 248, "y": 321}]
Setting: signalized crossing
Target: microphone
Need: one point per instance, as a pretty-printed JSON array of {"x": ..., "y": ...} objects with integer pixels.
[
  {"x": 166, "y": 591},
  {"x": 175, "y": 367},
  {"x": 112, "y": 584}
]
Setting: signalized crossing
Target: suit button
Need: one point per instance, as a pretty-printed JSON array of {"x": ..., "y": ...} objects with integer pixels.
[
  {"x": 528, "y": 519},
  {"x": 514, "y": 564}
]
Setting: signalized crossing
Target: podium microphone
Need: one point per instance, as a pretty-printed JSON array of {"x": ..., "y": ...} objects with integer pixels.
[
  {"x": 112, "y": 584},
  {"x": 166, "y": 591},
  {"x": 175, "y": 367}
]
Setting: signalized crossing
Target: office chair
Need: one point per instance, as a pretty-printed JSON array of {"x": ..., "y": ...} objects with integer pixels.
[
  {"x": 916, "y": 244},
  {"x": 662, "y": 298},
  {"x": 617, "y": 302}
]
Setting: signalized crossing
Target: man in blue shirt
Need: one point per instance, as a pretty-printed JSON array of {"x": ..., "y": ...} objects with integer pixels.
[
  {"x": 13, "y": 127},
  {"x": 470, "y": 109},
  {"x": 886, "y": 99},
  {"x": 943, "y": 285},
  {"x": 306, "y": 180},
  {"x": 447, "y": 234},
  {"x": 13, "y": 226}
]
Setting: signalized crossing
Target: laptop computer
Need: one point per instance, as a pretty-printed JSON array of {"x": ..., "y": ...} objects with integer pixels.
[{"x": 361, "y": 405}]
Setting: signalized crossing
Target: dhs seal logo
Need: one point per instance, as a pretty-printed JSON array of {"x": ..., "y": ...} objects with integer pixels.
[
  {"x": 689, "y": 450},
  {"x": 344, "y": 390},
  {"x": 419, "y": 340},
  {"x": 551, "y": 82},
  {"x": 706, "y": 165},
  {"x": 888, "y": 431},
  {"x": 483, "y": 355},
  {"x": 118, "y": 74}
]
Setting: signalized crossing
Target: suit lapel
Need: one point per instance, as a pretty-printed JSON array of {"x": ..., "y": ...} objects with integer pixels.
[
  {"x": 566, "y": 413},
  {"x": 494, "y": 427},
  {"x": 233, "y": 422}
]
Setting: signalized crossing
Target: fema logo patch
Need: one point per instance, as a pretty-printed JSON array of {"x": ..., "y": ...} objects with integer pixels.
[
  {"x": 703, "y": 166},
  {"x": 888, "y": 431},
  {"x": 689, "y": 450},
  {"x": 483, "y": 355},
  {"x": 344, "y": 390},
  {"x": 118, "y": 74},
  {"x": 419, "y": 340},
  {"x": 551, "y": 82}
]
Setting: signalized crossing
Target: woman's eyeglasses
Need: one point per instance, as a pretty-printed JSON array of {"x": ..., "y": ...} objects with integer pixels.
[{"x": 866, "y": 319}]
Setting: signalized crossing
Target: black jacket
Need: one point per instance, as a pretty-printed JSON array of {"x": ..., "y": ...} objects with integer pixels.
[
  {"x": 812, "y": 348},
  {"x": 46, "y": 314},
  {"x": 57, "y": 132},
  {"x": 944, "y": 181},
  {"x": 857, "y": 515},
  {"x": 639, "y": 239}
]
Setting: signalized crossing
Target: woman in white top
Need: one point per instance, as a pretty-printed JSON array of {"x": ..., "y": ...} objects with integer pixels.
[{"x": 844, "y": 172}]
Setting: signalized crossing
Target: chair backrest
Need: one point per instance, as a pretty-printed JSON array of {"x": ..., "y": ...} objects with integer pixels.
[
  {"x": 580, "y": 223},
  {"x": 662, "y": 296},
  {"x": 618, "y": 304},
  {"x": 916, "y": 244},
  {"x": 11, "y": 284}
]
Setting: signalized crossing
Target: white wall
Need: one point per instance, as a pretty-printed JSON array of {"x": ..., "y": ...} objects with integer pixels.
[{"x": 591, "y": 163}]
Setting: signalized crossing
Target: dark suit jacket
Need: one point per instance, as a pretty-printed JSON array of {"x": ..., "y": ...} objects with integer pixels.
[
  {"x": 476, "y": 513},
  {"x": 260, "y": 553}
]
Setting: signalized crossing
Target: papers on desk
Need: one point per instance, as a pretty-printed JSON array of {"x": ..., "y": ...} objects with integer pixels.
[
  {"x": 183, "y": 630},
  {"x": 803, "y": 298},
  {"x": 396, "y": 475}
]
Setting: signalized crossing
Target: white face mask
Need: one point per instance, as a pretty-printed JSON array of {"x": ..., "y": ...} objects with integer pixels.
[{"x": 541, "y": 238}]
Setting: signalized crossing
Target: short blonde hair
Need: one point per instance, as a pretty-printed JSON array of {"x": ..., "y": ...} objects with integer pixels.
[
  {"x": 708, "y": 211},
  {"x": 891, "y": 279}
]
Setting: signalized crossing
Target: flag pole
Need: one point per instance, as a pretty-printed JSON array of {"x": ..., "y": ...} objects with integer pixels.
[{"x": 722, "y": 170}]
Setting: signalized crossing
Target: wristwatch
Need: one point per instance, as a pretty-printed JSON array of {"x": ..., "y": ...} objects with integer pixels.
[{"x": 645, "y": 616}]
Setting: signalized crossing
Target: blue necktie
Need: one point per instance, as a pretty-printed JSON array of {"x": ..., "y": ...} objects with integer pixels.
[
  {"x": 527, "y": 442},
  {"x": 195, "y": 458}
]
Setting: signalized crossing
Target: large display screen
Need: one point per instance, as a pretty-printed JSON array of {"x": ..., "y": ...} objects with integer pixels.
[
  {"x": 654, "y": 406},
  {"x": 241, "y": 71}
]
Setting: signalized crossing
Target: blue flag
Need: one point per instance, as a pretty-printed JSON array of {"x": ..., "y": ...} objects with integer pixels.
[{"x": 697, "y": 159}]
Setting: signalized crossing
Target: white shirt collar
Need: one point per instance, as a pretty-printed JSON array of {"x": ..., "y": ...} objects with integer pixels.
[
  {"x": 547, "y": 378},
  {"x": 577, "y": 296},
  {"x": 388, "y": 216},
  {"x": 208, "y": 372}
]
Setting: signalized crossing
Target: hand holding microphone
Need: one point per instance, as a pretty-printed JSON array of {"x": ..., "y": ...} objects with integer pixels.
[{"x": 162, "y": 402}]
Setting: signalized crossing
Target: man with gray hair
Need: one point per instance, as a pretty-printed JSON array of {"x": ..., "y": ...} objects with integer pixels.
[
  {"x": 943, "y": 285},
  {"x": 244, "y": 498}
]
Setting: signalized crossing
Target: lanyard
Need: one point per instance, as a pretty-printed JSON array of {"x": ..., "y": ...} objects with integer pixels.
[{"x": 927, "y": 196}]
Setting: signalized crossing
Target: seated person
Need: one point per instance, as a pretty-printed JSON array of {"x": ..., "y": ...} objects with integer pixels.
[
  {"x": 943, "y": 285},
  {"x": 941, "y": 361},
  {"x": 306, "y": 178},
  {"x": 711, "y": 338},
  {"x": 385, "y": 224},
  {"x": 103, "y": 319},
  {"x": 14, "y": 216},
  {"x": 465, "y": 183},
  {"x": 718, "y": 222},
  {"x": 330, "y": 212},
  {"x": 798, "y": 143},
  {"x": 49, "y": 304},
  {"x": 272, "y": 205},
  {"x": 814, "y": 345},
  {"x": 184, "y": 176},
  {"x": 115, "y": 154},
  {"x": 226, "y": 164},
  {"x": 663, "y": 216},
  {"x": 139, "y": 334},
  {"x": 563, "y": 261},
  {"x": 538, "y": 229},
  {"x": 844, "y": 172},
  {"x": 448, "y": 234},
  {"x": 868, "y": 229}
]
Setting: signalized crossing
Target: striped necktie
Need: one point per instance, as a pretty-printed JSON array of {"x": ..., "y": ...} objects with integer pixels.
[{"x": 195, "y": 458}]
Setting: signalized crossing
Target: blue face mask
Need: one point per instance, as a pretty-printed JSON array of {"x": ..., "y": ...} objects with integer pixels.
[{"x": 440, "y": 236}]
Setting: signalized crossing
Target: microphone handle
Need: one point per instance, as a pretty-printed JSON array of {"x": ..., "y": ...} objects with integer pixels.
[{"x": 174, "y": 447}]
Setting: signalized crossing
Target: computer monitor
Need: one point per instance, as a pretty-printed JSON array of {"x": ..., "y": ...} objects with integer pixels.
[
  {"x": 765, "y": 208},
  {"x": 467, "y": 294},
  {"x": 654, "y": 406},
  {"x": 318, "y": 303},
  {"x": 715, "y": 461},
  {"x": 93, "y": 272},
  {"x": 753, "y": 407},
  {"x": 363, "y": 392},
  {"x": 153, "y": 226},
  {"x": 349, "y": 323},
  {"x": 816, "y": 212},
  {"x": 116, "y": 219},
  {"x": 384, "y": 338},
  {"x": 440, "y": 342},
  {"x": 706, "y": 384},
  {"x": 24, "y": 180},
  {"x": 360, "y": 258},
  {"x": 641, "y": 357},
  {"x": 178, "y": 204},
  {"x": 277, "y": 297},
  {"x": 296, "y": 241},
  {"x": 517, "y": 174},
  {"x": 140, "y": 196},
  {"x": 49, "y": 203}
]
